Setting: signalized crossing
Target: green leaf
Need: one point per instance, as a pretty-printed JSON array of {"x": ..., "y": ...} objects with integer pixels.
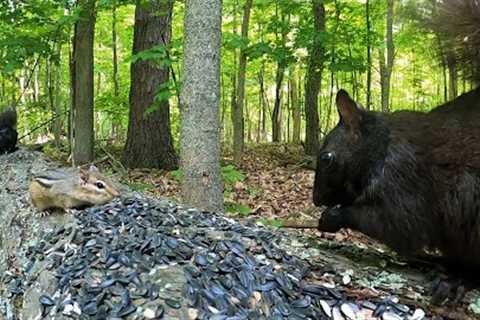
[{"x": 238, "y": 209}]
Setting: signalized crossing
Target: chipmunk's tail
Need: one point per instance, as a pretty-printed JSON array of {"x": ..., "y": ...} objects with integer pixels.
[
  {"x": 457, "y": 24},
  {"x": 8, "y": 118}
]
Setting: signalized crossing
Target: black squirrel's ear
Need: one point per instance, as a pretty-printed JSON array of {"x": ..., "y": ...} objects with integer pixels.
[{"x": 349, "y": 112}]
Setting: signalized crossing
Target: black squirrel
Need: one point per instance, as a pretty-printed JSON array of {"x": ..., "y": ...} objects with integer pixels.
[
  {"x": 8, "y": 132},
  {"x": 408, "y": 179},
  {"x": 411, "y": 179}
]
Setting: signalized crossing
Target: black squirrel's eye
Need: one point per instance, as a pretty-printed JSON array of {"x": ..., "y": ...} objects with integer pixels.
[
  {"x": 327, "y": 158},
  {"x": 100, "y": 185}
]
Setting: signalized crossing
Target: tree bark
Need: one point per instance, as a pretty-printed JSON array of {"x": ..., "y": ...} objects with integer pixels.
[
  {"x": 149, "y": 140},
  {"x": 83, "y": 135},
  {"x": 296, "y": 110},
  {"x": 452, "y": 75},
  {"x": 277, "y": 107},
  {"x": 313, "y": 80},
  {"x": 386, "y": 66},
  {"x": 261, "y": 82},
  {"x": 238, "y": 106},
  {"x": 115, "y": 126},
  {"x": 332, "y": 62},
  {"x": 369, "y": 56},
  {"x": 200, "y": 98},
  {"x": 276, "y": 114}
]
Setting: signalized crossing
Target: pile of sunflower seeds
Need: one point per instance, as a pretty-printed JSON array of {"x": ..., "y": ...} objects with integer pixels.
[{"x": 142, "y": 259}]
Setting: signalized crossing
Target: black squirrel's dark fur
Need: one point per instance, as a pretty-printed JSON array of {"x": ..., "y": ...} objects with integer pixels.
[
  {"x": 8, "y": 132},
  {"x": 408, "y": 179},
  {"x": 411, "y": 179}
]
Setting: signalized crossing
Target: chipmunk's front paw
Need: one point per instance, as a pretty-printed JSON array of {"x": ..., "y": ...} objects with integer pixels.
[
  {"x": 331, "y": 220},
  {"x": 45, "y": 213}
]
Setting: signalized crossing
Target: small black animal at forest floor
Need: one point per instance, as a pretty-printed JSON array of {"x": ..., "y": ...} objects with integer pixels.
[
  {"x": 408, "y": 179},
  {"x": 8, "y": 132}
]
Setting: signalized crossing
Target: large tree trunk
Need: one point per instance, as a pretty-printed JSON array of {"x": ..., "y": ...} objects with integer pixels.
[
  {"x": 238, "y": 106},
  {"x": 82, "y": 76},
  {"x": 386, "y": 67},
  {"x": 313, "y": 80},
  {"x": 200, "y": 97},
  {"x": 149, "y": 140}
]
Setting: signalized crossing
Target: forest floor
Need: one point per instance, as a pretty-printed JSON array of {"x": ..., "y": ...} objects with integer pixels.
[{"x": 274, "y": 184}]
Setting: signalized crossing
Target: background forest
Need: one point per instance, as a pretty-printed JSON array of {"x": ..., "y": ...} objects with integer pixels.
[{"x": 282, "y": 63}]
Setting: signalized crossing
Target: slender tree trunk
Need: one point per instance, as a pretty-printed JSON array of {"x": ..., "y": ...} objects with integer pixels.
[
  {"x": 289, "y": 110},
  {"x": 296, "y": 109},
  {"x": 149, "y": 140},
  {"x": 332, "y": 62},
  {"x": 386, "y": 66},
  {"x": 277, "y": 107},
  {"x": 313, "y": 80},
  {"x": 36, "y": 85},
  {"x": 200, "y": 144},
  {"x": 259, "y": 119},
  {"x": 21, "y": 83},
  {"x": 53, "y": 74},
  {"x": 264, "y": 102},
  {"x": 276, "y": 115},
  {"x": 238, "y": 107},
  {"x": 233, "y": 98},
  {"x": 99, "y": 84},
  {"x": 115, "y": 126},
  {"x": 452, "y": 76},
  {"x": 57, "y": 123},
  {"x": 369, "y": 56},
  {"x": 382, "y": 70},
  {"x": 71, "y": 106},
  {"x": 83, "y": 135},
  {"x": 224, "y": 107},
  {"x": 248, "y": 120}
]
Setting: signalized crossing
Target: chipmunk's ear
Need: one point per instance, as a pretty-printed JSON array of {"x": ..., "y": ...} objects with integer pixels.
[
  {"x": 84, "y": 175},
  {"x": 92, "y": 168}
]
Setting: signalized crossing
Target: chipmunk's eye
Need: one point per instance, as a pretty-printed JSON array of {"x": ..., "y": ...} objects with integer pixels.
[
  {"x": 327, "y": 158},
  {"x": 100, "y": 185}
]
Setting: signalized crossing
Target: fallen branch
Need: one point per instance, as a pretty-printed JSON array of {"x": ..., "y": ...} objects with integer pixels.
[{"x": 310, "y": 224}]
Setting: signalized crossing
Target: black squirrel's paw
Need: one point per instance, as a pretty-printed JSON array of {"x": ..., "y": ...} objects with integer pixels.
[
  {"x": 447, "y": 291},
  {"x": 331, "y": 220}
]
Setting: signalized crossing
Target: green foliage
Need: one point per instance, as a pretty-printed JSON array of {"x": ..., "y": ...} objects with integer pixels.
[
  {"x": 38, "y": 34},
  {"x": 157, "y": 54},
  {"x": 141, "y": 187},
  {"x": 237, "y": 208},
  {"x": 276, "y": 223},
  {"x": 230, "y": 176}
]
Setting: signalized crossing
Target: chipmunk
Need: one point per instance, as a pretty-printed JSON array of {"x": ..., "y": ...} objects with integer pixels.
[{"x": 65, "y": 190}]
